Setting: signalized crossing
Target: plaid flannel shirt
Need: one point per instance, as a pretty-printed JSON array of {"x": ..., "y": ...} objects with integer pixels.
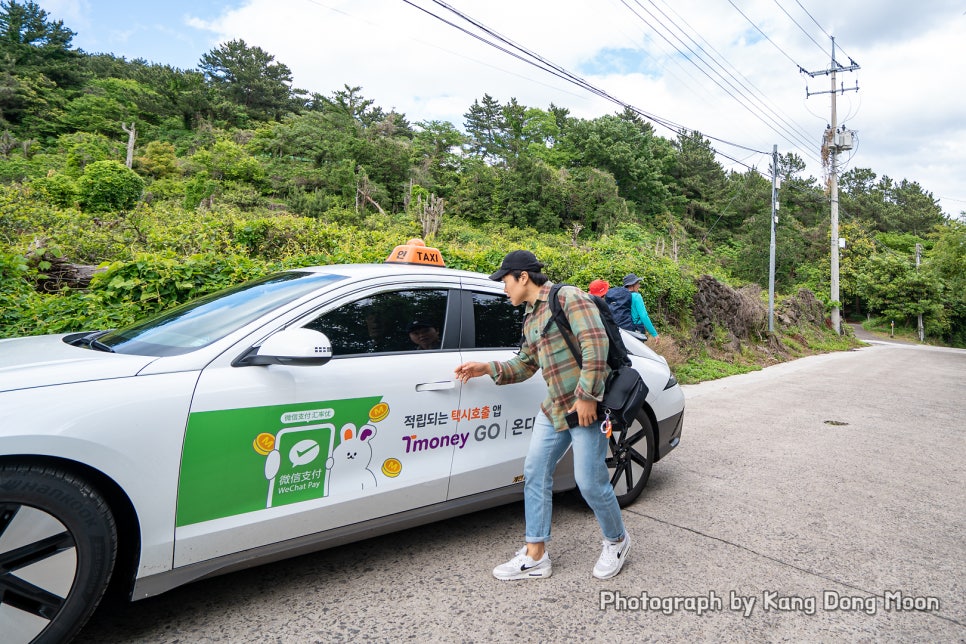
[{"x": 566, "y": 382}]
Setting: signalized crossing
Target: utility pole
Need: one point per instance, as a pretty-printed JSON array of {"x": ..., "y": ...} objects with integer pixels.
[
  {"x": 835, "y": 141},
  {"x": 922, "y": 334},
  {"x": 771, "y": 247}
]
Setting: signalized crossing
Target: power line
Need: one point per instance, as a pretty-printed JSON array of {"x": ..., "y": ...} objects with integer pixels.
[
  {"x": 764, "y": 35},
  {"x": 808, "y": 35},
  {"x": 783, "y": 127},
  {"x": 457, "y": 53},
  {"x": 827, "y": 34},
  {"x": 443, "y": 49},
  {"x": 562, "y": 74},
  {"x": 748, "y": 81},
  {"x": 540, "y": 62},
  {"x": 669, "y": 54}
]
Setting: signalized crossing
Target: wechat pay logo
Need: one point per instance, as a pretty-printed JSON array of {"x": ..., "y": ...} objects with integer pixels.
[{"x": 303, "y": 452}]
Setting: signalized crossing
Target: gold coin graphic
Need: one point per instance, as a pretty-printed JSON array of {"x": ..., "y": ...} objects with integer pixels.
[
  {"x": 379, "y": 412},
  {"x": 264, "y": 443},
  {"x": 391, "y": 467}
]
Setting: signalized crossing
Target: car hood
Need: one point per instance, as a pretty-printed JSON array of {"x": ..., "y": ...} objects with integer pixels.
[
  {"x": 45, "y": 360},
  {"x": 637, "y": 348}
]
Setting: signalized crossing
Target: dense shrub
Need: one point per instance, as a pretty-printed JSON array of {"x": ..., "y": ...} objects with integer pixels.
[
  {"x": 155, "y": 282},
  {"x": 58, "y": 188},
  {"x": 15, "y": 291},
  {"x": 109, "y": 185}
]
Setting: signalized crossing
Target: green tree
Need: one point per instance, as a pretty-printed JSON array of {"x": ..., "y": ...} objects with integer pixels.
[
  {"x": 893, "y": 287},
  {"x": 249, "y": 78},
  {"x": 82, "y": 148},
  {"x": 32, "y": 103},
  {"x": 180, "y": 94},
  {"x": 384, "y": 154},
  {"x": 484, "y": 125},
  {"x": 312, "y": 153},
  {"x": 947, "y": 263},
  {"x": 159, "y": 160},
  {"x": 860, "y": 247},
  {"x": 753, "y": 242},
  {"x": 861, "y": 198},
  {"x": 350, "y": 102},
  {"x": 352, "y": 145},
  {"x": 745, "y": 194},
  {"x": 109, "y": 186},
  {"x": 59, "y": 189},
  {"x": 38, "y": 44},
  {"x": 473, "y": 198},
  {"x": 802, "y": 197},
  {"x": 37, "y": 68},
  {"x": 902, "y": 207},
  {"x": 918, "y": 210},
  {"x": 501, "y": 133},
  {"x": 226, "y": 160},
  {"x": 627, "y": 148},
  {"x": 530, "y": 195},
  {"x": 435, "y": 157},
  {"x": 699, "y": 179},
  {"x": 591, "y": 199},
  {"x": 106, "y": 103}
]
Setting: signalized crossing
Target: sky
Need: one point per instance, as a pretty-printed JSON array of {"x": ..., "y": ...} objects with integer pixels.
[{"x": 748, "y": 74}]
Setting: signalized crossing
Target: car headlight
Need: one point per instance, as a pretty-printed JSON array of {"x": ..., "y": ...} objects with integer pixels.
[{"x": 671, "y": 382}]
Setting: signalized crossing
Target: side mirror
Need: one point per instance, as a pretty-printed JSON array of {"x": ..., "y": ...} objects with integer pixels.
[{"x": 296, "y": 346}]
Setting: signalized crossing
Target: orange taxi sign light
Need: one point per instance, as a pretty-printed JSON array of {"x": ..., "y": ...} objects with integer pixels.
[{"x": 415, "y": 251}]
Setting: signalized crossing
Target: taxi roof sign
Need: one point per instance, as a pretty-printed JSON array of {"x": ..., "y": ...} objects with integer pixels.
[{"x": 415, "y": 251}]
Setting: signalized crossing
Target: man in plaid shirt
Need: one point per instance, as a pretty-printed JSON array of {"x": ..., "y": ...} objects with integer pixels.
[{"x": 570, "y": 388}]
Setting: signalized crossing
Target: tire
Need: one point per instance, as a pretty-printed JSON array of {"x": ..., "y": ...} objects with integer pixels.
[
  {"x": 629, "y": 458},
  {"x": 58, "y": 543}
]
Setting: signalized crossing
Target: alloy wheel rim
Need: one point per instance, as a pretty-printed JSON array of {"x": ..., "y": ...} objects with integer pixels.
[{"x": 38, "y": 567}]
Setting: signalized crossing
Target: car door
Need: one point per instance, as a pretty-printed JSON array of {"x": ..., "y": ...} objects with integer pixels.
[
  {"x": 277, "y": 452},
  {"x": 497, "y": 419}
]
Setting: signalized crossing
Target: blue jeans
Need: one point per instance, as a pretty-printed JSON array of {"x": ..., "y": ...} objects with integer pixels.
[{"x": 590, "y": 448}]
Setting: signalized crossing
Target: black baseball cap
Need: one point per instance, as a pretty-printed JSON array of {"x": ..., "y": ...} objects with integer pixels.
[
  {"x": 517, "y": 260},
  {"x": 419, "y": 324}
]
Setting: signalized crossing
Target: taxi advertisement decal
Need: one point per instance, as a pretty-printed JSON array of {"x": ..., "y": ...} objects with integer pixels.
[{"x": 242, "y": 460}]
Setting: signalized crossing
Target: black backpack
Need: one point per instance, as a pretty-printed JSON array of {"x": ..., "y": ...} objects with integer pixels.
[
  {"x": 617, "y": 355},
  {"x": 625, "y": 390}
]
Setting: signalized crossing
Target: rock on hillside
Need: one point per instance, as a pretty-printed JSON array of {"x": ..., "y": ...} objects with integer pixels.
[{"x": 732, "y": 321}]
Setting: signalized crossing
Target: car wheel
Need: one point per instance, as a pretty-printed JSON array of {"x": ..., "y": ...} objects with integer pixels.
[
  {"x": 58, "y": 543},
  {"x": 629, "y": 458}
]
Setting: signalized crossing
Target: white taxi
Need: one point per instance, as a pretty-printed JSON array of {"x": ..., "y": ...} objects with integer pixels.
[{"x": 292, "y": 413}]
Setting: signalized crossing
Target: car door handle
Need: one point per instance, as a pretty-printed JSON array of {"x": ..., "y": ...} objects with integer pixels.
[{"x": 436, "y": 386}]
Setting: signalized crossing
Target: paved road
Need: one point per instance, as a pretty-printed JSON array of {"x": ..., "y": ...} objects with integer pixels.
[
  {"x": 877, "y": 338},
  {"x": 818, "y": 500}
]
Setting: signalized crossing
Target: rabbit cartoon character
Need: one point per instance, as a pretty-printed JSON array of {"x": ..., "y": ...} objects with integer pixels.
[{"x": 349, "y": 463}]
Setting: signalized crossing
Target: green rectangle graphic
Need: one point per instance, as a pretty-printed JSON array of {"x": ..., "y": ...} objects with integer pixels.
[{"x": 243, "y": 460}]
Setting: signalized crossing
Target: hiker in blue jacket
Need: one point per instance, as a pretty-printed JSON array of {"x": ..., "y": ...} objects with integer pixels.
[{"x": 627, "y": 306}]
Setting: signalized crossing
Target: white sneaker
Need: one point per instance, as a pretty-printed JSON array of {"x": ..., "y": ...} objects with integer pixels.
[
  {"x": 524, "y": 567},
  {"x": 612, "y": 558}
]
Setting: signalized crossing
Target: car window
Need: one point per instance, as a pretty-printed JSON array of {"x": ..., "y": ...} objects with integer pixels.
[
  {"x": 207, "y": 319},
  {"x": 408, "y": 320},
  {"x": 498, "y": 323}
]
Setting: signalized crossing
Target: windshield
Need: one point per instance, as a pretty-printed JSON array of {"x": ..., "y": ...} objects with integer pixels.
[{"x": 207, "y": 319}]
